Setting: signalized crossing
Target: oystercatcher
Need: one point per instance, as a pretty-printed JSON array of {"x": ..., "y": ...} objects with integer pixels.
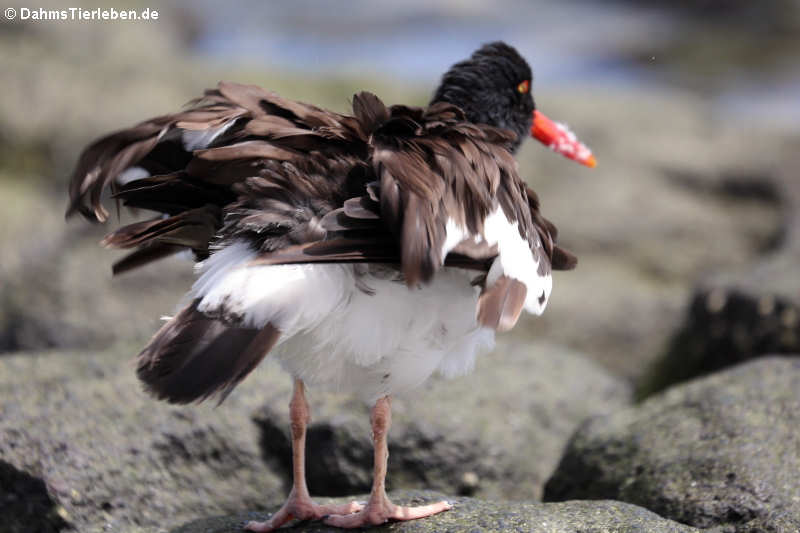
[{"x": 364, "y": 251}]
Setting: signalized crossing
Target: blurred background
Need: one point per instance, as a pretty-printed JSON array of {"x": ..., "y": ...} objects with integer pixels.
[
  {"x": 693, "y": 110},
  {"x": 686, "y": 231}
]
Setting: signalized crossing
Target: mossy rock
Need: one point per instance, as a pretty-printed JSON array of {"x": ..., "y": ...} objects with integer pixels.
[{"x": 722, "y": 451}]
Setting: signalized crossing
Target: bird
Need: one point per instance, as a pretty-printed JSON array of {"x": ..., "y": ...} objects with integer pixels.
[{"x": 364, "y": 251}]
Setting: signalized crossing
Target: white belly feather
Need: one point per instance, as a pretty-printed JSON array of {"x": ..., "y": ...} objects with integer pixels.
[
  {"x": 353, "y": 328},
  {"x": 384, "y": 341}
]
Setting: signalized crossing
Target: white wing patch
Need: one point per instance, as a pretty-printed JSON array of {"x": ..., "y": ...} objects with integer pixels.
[
  {"x": 454, "y": 235},
  {"x": 515, "y": 257},
  {"x": 290, "y": 297}
]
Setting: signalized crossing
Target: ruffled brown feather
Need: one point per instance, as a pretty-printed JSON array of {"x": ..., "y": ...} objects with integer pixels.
[{"x": 303, "y": 184}]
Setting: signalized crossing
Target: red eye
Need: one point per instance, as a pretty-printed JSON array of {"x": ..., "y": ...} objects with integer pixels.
[{"x": 524, "y": 87}]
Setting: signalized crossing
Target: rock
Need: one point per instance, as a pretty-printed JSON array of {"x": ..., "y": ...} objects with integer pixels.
[
  {"x": 84, "y": 446},
  {"x": 472, "y": 515},
  {"x": 25, "y": 504},
  {"x": 57, "y": 287},
  {"x": 81, "y": 444},
  {"x": 725, "y": 325},
  {"x": 778, "y": 522},
  {"x": 497, "y": 433},
  {"x": 720, "y": 451},
  {"x": 740, "y": 314}
]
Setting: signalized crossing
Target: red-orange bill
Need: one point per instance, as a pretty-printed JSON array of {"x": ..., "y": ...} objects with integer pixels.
[{"x": 559, "y": 138}]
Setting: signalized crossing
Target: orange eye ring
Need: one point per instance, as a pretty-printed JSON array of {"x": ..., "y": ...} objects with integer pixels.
[{"x": 524, "y": 87}]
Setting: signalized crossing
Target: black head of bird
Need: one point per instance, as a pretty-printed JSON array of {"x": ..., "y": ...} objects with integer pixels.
[{"x": 494, "y": 87}]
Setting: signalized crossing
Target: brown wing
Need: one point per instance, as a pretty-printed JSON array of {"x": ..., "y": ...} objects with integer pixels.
[
  {"x": 238, "y": 154},
  {"x": 240, "y": 162},
  {"x": 280, "y": 172},
  {"x": 429, "y": 166},
  {"x": 559, "y": 258},
  {"x": 434, "y": 166}
]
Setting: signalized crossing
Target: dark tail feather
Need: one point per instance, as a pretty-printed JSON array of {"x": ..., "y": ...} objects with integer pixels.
[
  {"x": 193, "y": 356},
  {"x": 144, "y": 255},
  {"x": 563, "y": 259},
  {"x": 192, "y": 229}
]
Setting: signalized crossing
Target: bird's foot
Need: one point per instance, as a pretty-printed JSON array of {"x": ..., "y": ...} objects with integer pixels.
[
  {"x": 382, "y": 511},
  {"x": 302, "y": 509}
]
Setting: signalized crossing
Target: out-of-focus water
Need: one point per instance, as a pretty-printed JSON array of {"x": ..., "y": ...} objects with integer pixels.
[
  {"x": 414, "y": 39},
  {"x": 567, "y": 42}
]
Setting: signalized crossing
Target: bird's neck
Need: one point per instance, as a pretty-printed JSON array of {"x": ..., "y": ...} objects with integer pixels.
[{"x": 479, "y": 109}]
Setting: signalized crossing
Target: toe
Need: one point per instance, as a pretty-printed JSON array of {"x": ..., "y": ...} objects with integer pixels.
[
  {"x": 411, "y": 513},
  {"x": 341, "y": 509},
  {"x": 312, "y": 511},
  {"x": 277, "y": 520},
  {"x": 349, "y": 521},
  {"x": 259, "y": 527},
  {"x": 376, "y": 515}
]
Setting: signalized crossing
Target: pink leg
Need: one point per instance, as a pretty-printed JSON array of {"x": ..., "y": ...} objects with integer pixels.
[
  {"x": 379, "y": 509},
  {"x": 299, "y": 505}
]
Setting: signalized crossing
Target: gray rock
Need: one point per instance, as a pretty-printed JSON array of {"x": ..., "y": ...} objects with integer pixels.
[
  {"x": 727, "y": 324},
  {"x": 786, "y": 521},
  {"x": 25, "y": 504},
  {"x": 84, "y": 446},
  {"x": 470, "y": 515},
  {"x": 739, "y": 314},
  {"x": 721, "y": 451},
  {"x": 497, "y": 433},
  {"x": 81, "y": 444}
]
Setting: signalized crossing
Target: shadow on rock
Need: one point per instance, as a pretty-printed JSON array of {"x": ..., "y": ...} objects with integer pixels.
[
  {"x": 726, "y": 326},
  {"x": 25, "y": 505}
]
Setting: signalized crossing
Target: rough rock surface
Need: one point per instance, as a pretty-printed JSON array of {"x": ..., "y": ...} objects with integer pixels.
[
  {"x": 471, "y": 515},
  {"x": 82, "y": 445},
  {"x": 497, "y": 433},
  {"x": 720, "y": 451},
  {"x": 725, "y": 325}
]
